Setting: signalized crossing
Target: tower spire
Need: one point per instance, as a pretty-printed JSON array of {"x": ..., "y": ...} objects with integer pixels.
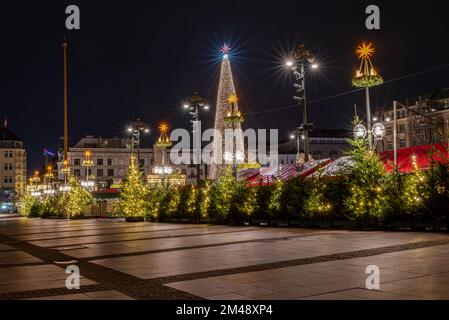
[{"x": 5, "y": 122}]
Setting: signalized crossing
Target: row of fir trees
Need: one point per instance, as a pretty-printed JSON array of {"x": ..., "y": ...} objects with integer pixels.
[{"x": 364, "y": 192}]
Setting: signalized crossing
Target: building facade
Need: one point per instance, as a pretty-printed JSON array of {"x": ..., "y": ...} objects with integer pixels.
[
  {"x": 12, "y": 168},
  {"x": 110, "y": 161},
  {"x": 420, "y": 121}
]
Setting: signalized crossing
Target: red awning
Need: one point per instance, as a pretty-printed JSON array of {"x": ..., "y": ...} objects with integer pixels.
[{"x": 422, "y": 154}]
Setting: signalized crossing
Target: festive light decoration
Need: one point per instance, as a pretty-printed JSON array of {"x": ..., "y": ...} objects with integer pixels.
[
  {"x": 413, "y": 189},
  {"x": 227, "y": 116},
  {"x": 316, "y": 202},
  {"x": 191, "y": 202},
  {"x": 35, "y": 179},
  {"x": 224, "y": 193},
  {"x": 133, "y": 200},
  {"x": 26, "y": 203},
  {"x": 77, "y": 199},
  {"x": 164, "y": 140},
  {"x": 174, "y": 197},
  {"x": 274, "y": 203},
  {"x": 225, "y": 50},
  {"x": 368, "y": 200},
  {"x": 204, "y": 201},
  {"x": 250, "y": 204},
  {"x": 366, "y": 76}
]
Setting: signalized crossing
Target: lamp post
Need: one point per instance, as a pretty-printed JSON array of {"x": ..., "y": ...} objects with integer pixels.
[
  {"x": 194, "y": 104},
  {"x": 137, "y": 127},
  {"x": 366, "y": 77},
  {"x": 48, "y": 175},
  {"x": 87, "y": 163},
  {"x": 297, "y": 136},
  {"x": 298, "y": 66}
]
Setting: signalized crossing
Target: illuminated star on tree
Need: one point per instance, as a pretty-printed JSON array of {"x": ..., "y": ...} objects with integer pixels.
[
  {"x": 225, "y": 49},
  {"x": 365, "y": 50},
  {"x": 163, "y": 128},
  {"x": 232, "y": 99}
]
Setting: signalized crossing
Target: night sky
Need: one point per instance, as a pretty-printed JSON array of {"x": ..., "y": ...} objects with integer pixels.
[{"x": 142, "y": 58}]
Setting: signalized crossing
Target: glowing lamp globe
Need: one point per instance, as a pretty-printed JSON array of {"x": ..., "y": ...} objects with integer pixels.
[
  {"x": 360, "y": 131},
  {"x": 378, "y": 131}
]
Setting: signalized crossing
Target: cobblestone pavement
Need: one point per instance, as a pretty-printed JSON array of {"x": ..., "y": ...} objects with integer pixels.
[{"x": 119, "y": 260}]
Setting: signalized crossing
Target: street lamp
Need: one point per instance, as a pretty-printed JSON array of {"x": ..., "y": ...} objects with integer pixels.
[
  {"x": 297, "y": 65},
  {"x": 135, "y": 129},
  {"x": 194, "y": 104},
  {"x": 367, "y": 77},
  {"x": 49, "y": 174},
  {"x": 378, "y": 131},
  {"x": 87, "y": 163},
  {"x": 360, "y": 131}
]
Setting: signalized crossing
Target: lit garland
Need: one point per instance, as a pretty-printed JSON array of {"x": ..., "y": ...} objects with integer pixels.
[{"x": 366, "y": 75}]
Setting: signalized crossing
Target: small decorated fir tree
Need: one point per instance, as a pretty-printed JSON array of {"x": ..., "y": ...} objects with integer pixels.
[{"x": 133, "y": 201}]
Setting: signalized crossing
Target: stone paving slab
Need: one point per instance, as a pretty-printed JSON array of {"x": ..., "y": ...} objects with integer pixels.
[
  {"x": 144, "y": 260},
  {"x": 338, "y": 279}
]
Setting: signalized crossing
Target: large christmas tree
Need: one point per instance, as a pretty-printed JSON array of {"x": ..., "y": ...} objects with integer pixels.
[{"x": 227, "y": 116}]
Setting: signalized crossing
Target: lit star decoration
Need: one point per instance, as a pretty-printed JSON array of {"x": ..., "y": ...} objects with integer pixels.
[
  {"x": 233, "y": 99},
  {"x": 365, "y": 51},
  {"x": 163, "y": 127},
  {"x": 225, "y": 49},
  {"x": 366, "y": 75},
  {"x": 233, "y": 115},
  {"x": 164, "y": 140}
]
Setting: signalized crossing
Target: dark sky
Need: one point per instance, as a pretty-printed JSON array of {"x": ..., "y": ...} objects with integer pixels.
[{"x": 142, "y": 58}]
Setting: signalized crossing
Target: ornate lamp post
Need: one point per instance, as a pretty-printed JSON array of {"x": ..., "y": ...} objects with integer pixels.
[
  {"x": 136, "y": 128},
  {"x": 366, "y": 77},
  {"x": 49, "y": 175},
  {"x": 194, "y": 104},
  {"x": 35, "y": 179},
  {"x": 88, "y": 163},
  {"x": 301, "y": 57}
]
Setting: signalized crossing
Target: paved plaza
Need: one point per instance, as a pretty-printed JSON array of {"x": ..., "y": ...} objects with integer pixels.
[{"x": 119, "y": 260}]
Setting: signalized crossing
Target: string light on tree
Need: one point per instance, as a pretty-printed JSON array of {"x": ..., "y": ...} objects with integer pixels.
[{"x": 133, "y": 201}]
